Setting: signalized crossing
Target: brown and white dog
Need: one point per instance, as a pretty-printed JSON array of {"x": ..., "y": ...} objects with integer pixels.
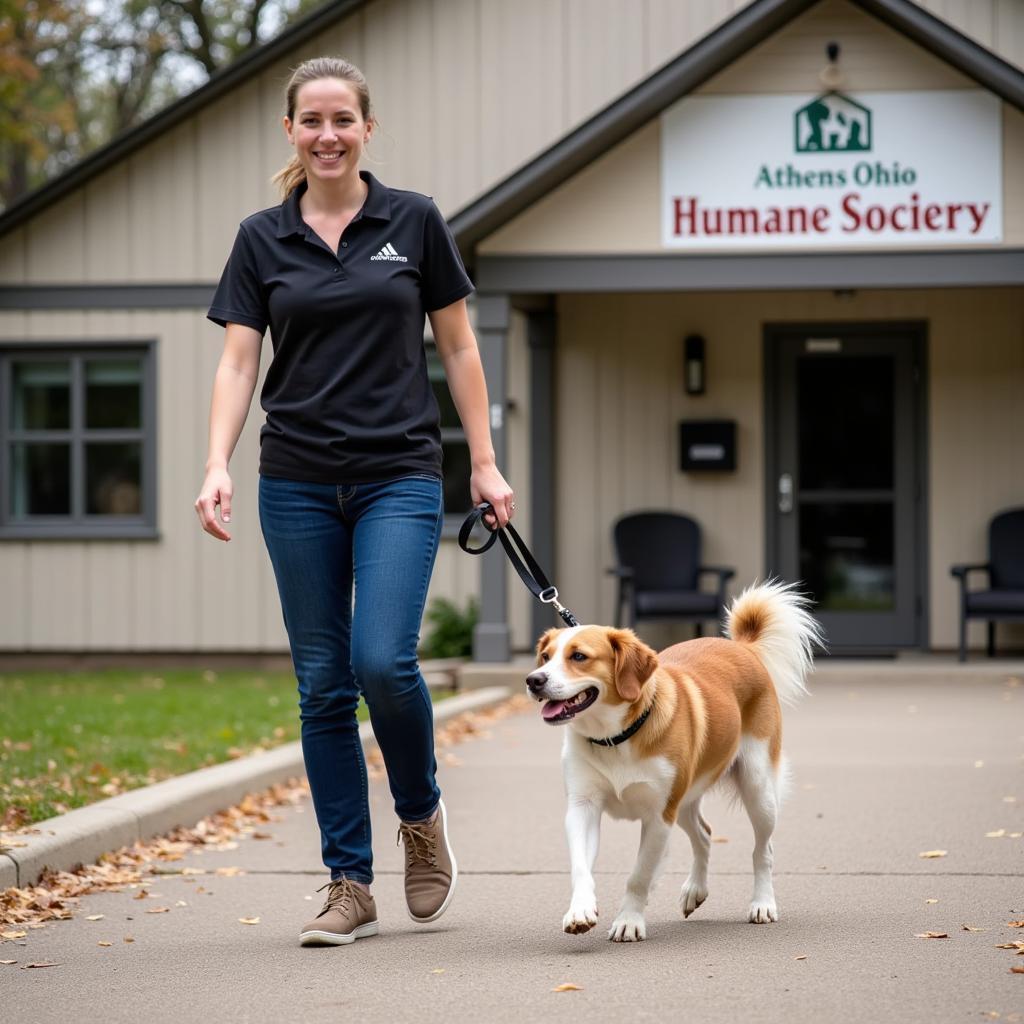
[{"x": 708, "y": 711}]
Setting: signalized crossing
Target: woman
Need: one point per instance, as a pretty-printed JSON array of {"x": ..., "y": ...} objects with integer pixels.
[{"x": 343, "y": 272}]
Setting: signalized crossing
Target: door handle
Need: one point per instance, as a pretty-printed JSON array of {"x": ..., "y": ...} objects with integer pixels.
[{"x": 785, "y": 493}]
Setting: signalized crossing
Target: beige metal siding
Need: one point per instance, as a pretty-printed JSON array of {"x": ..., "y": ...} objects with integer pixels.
[
  {"x": 620, "y": 397},
  {"x": 995, "y": 24},
  {"x": 872, "y": 58}
]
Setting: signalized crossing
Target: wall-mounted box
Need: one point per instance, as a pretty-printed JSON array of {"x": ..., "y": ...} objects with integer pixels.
[{"x": 707, "y": 445}]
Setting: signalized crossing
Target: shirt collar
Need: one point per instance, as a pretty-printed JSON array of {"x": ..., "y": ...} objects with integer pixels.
[{"x": 377, "y": 206}]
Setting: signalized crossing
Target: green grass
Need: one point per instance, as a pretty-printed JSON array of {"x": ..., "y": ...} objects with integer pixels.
[{"x": 69, "y": 739}]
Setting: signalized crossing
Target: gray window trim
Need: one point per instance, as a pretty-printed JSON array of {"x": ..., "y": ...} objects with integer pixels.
[{"x": 78, "y": 526}]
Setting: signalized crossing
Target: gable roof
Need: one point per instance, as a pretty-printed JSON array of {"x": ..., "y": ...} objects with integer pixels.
[
  {"x": 709, "y": 55},
  {"x": 235, "y": 74},
  {"x": 693, "y": 67}
]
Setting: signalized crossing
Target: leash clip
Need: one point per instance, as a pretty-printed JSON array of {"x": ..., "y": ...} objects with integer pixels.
[{"x": 550, "y": 596}]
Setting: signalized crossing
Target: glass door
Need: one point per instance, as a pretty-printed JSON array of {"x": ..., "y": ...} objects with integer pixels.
[{"x": 845, "y": 480}]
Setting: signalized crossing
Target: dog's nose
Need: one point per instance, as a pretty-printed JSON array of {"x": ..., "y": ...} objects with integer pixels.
[{"x": 536, "y": 681}]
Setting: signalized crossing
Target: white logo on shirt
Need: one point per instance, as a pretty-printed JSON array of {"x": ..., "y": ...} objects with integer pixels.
[{"x": 389, "y": 253}]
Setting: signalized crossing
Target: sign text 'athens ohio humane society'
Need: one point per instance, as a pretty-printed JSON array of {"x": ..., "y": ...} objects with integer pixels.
[{"x": 837, "y": 170}]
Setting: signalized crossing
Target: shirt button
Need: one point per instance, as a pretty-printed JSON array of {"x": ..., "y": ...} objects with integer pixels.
[
  {"x": 335, "y": 270},
  {"x": 344, "y": 245}
]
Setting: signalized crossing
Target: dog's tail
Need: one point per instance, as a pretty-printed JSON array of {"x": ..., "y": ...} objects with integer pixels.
[{"x": 773, "y": 619}]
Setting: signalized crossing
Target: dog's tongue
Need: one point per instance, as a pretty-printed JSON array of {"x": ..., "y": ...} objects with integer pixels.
[{"x": 553, "y": 708}]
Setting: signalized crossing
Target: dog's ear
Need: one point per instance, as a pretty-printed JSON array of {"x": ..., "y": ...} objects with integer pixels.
[
  {"x": 545, "y": 639},
  {"x": 635, "y": 663}
]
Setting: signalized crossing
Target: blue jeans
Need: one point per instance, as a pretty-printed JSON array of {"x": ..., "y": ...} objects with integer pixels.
[{"x": 379, "y": 539}]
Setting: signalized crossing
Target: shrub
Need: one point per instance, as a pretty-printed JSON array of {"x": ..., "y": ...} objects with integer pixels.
[{"x": 450, "y": 633}]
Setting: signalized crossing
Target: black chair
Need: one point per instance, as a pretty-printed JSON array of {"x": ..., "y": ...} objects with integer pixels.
[
  {"x": 659, "y": 570},
  {"x": 1004, "y": 599}
]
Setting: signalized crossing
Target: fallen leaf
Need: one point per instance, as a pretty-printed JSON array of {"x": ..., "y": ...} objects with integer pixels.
[
  {"x": 104, "y": 943},
  {"x": 1017, "y": 970},
  {"x": 159, "y": 910},
  {"x": 979, "y": 764},
  {"x": 249, "y": 920},
  {"x": 932, "y": 854},
  {"x": 7, "y": 963},
  {"x": 229, "y": 872},
  {"x": 437, "y": 970},
  {"x": 968, "y": 928},
  {"x": 568, "y": 987},
  {"x": 128, "y": 938},
  {"x": 95, "y": 917},
  {"x": 931, "y": 901},
  {"x": 1019, "y": 946},
  {"x": 1015, "y": 924},
  {"x": 719, "y": 839},
  {"x": 181, "y": 903},
  {"x": 800, "y": 958},
  {"x": 262, "y": 835},
  {"x": 996, "y": 835},
  {"x": 931, "y": 935},
  {"x": 44, "y": 963},
  {"x": 13, "y": 935}
]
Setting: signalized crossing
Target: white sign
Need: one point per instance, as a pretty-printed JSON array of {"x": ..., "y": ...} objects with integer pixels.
[{"x": 874, "y": 169}]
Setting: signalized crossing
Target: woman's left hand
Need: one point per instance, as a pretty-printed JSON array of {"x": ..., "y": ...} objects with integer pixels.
[{"x": 487, "y": 484}]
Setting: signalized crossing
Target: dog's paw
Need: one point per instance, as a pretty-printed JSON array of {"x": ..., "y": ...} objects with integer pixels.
[
  {"x": 580, "y": 919},
  {"x": 763, "y": 912},
  {"x": 628, "y": 927},
  {"x": 691, "y": 896}
]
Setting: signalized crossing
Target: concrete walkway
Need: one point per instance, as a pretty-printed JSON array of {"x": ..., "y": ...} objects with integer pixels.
[{"x": 882, "y": 772}]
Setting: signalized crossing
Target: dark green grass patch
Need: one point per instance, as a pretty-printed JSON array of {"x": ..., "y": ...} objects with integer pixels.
[{"x": 69, "y": 739}]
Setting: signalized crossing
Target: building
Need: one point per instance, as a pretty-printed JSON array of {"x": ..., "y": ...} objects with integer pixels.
[{"x": 829, "y": 194}]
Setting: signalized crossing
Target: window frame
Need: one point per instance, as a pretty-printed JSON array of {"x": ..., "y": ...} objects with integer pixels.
[{"x": 80, "y": 525}]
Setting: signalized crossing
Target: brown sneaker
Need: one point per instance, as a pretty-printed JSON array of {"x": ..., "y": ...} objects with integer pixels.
[
  {"x": 349, "y": 913},
  {"x": 430, "y": 870}
]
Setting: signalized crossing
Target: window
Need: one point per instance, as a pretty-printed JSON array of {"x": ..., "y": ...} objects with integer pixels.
[
  {"x": 457, "y": 501},
  {"x": 77, "y": 430}
]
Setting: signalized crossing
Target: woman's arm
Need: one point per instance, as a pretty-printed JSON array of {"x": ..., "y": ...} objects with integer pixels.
[
  {"x": 233, "y": 387},
  {"x": 456, "y": 345}
]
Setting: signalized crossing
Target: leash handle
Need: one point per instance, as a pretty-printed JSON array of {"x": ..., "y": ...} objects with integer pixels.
[{"x": 519, "y": 555}]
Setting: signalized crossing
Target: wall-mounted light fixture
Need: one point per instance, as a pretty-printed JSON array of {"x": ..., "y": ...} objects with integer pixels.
[
  {"x": 831, "y": 76},
  {"x": 693, "y": 365}
]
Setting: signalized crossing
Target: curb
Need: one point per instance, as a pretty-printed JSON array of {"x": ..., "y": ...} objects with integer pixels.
[{"x": 83, "y": 835}]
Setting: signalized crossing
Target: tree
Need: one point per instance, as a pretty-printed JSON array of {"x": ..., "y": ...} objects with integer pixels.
[{"x": 74, "y": 73}]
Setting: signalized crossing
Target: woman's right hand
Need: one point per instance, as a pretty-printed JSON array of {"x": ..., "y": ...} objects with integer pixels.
[{"x": 217, "y": 490}]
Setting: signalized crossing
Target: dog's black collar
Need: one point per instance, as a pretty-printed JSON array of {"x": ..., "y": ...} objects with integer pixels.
[{"x": 614, "y": 741}]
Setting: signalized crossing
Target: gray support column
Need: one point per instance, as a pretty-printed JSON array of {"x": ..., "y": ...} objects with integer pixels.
[
  {"x": 491, "y": 639},
  {"x": 541, "y": 338}
]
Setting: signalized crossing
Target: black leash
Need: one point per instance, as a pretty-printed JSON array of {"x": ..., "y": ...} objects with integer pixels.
[{"x": 529, "y": 571}]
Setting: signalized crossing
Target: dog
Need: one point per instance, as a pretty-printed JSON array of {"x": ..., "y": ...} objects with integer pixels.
[{"x": 649, "y": 734}]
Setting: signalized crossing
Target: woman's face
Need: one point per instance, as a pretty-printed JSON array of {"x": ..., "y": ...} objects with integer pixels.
[{"x": 328, "y": 132}]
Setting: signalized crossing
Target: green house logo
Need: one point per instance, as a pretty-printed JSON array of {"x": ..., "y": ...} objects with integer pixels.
[{"x": 833, "y": 123}]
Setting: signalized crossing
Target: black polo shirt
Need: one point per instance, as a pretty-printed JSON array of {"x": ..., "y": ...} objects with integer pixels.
[{"x": 347, "y": 395}]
